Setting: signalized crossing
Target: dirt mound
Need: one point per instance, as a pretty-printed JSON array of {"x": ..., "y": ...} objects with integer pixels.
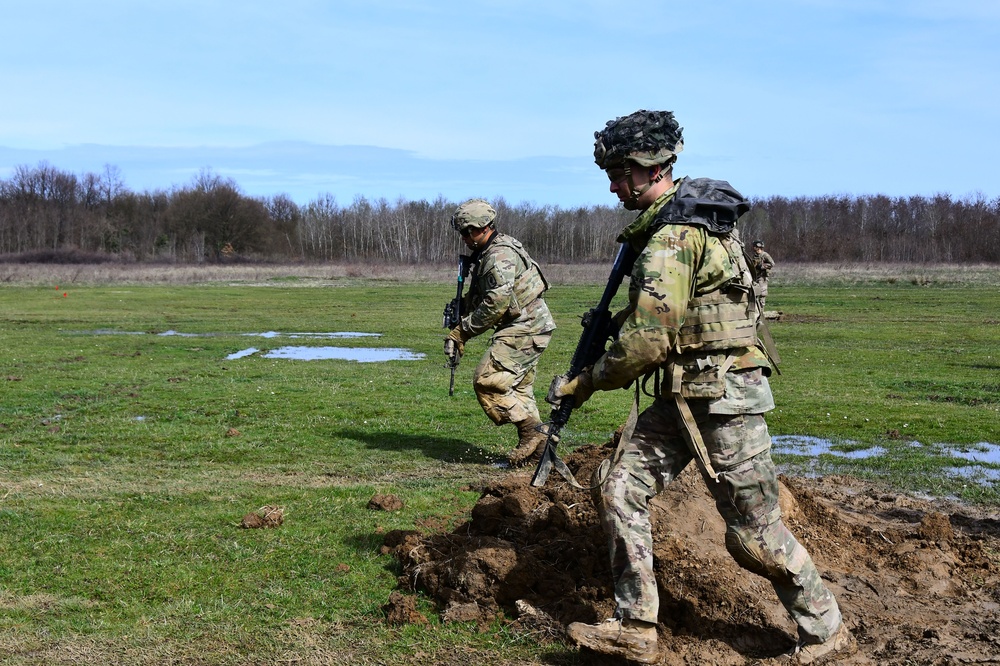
[
  {"x": 918, "y": 581},
  {"x": 267, "y": 516},
  {"x": 380, "y": 502}
]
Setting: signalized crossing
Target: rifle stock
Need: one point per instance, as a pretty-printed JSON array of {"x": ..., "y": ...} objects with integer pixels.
[{"x": 598, "y": 328}]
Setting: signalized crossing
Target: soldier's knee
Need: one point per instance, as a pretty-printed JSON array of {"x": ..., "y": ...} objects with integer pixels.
[{"x": 754, "y": 555}]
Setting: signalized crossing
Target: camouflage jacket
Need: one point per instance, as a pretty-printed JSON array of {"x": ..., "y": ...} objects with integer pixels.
[
  {"x": 505, "y": 292},
  {"x": 676, "y": 263},
  {"x": 762, "y": 263}
]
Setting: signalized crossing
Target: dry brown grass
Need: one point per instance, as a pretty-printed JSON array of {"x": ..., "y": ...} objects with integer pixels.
[
  {"x": 857, "y": 273},
  {"x": 284, "y": 275},
  {"x": 319, "y": 274}
]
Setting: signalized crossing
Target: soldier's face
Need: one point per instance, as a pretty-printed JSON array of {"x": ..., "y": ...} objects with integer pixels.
[
  {"x": 473, "y": 236},
  {"x": 637, "y": 178},
  {"x": 620, "y": 182}
]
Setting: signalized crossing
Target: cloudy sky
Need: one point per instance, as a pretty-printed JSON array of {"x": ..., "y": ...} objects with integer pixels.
[{"x": 500, "y": 98}]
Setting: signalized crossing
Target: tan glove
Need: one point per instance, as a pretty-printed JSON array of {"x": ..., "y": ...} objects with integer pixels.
[
  {"x": 580, "y": 387},
  {"x": 454, "y": 343}
]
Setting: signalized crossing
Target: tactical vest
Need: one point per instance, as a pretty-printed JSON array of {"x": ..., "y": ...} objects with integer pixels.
[
  {"x": 530, "y": 283},
  {"x": 717, "y": 323},
  {"x": 726, "y": 318}
]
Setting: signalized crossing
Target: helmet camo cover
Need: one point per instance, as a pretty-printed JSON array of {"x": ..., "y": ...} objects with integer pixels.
[
  {"x": 474, "y": 213},
  {"x": 645, "y": 137}
]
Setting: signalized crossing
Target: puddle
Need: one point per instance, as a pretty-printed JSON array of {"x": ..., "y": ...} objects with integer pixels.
[
  {"x": 981, "y": 453},
  {"x": 315, "y": 336},
  {"x": 265, "y": 334},
  {"x": 359, "y": 354},
  {"x": 974, "y": 473},
  {"x": 805, "y": 445},
  {"x": 107, "y": 331},
  {"x": 242, "y": 353}
]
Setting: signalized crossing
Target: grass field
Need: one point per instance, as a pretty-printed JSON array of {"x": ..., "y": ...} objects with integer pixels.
[{"x": 130, "y": 448}]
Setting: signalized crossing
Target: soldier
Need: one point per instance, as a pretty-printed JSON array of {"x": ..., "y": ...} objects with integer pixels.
[
  {"x": 690, "y": 323},
  {"x": 762, "y": 263},
  {"x": 505, "y": 294}
]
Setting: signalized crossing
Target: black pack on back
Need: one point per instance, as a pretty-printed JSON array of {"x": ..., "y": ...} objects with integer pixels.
[{"x": 704, "y": 202}]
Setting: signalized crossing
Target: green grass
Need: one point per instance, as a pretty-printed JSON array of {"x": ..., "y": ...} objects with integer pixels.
[
  {"x": 122, "y": 483},
  {"x": 911, "y": 369}
]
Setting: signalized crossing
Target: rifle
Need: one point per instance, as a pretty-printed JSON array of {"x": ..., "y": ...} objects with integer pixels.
[
  {"x": 453, "y": 315},
  {"x": 598, "y": 329}
]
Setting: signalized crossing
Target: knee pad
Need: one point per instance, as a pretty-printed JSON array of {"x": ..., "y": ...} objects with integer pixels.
[{"x": 753, "y": 555}]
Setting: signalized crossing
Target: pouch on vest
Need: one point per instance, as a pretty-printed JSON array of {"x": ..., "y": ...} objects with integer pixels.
[{"x": 704, "y": 377}]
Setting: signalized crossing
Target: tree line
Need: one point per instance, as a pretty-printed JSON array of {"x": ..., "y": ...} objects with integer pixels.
[{"x": 51, "y": 215}]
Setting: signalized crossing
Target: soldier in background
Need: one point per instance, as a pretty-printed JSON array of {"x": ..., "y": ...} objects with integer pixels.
[
  {"x": 762, "y": 263},
  {"x": 690, "y": 328},
  {"x": 505, "y": 295}
]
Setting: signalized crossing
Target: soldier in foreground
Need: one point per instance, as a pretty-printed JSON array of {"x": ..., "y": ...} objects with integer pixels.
[
  {"x": 505, "y": 294},
  {"x": 762, "y": 264},
  {"x": 690, "y": 327}
]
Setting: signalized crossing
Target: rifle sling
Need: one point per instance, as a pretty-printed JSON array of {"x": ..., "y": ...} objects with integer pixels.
[
  {"x": 551, "y": 459},
  {"x": 694, "y": 437}
]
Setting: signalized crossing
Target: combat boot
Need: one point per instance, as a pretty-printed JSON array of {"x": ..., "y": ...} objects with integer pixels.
[
  {"x": 841, "y": 644},
  {"x": 531, "y": 440},
  {"x": 620, "y": 638}
]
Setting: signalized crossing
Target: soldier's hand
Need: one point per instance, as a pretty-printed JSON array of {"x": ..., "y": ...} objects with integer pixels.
[
  {"x": 454, "y": 344},
  {"x": 580, "y": 387}
]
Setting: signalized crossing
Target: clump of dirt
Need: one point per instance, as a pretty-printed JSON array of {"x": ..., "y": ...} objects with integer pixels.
[
  {"x": 402, "y": 609},
  {"x": 918, "y": 580},
  {"x": 265, "y": 517},
  {"x": 380, "y": 502}
]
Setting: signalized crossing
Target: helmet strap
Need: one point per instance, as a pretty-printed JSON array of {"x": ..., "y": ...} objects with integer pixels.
[{"x": 632, "y": 203}]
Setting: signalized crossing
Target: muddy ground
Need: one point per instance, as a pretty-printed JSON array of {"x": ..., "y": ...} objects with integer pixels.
[{"x": 918, "y": 581}]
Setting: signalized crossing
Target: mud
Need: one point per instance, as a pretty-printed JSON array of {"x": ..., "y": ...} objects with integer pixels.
[
  {"x": 265, "y": 517},
  {"x": 918, "y": 580},
  {"x": 380, "y": 502}
]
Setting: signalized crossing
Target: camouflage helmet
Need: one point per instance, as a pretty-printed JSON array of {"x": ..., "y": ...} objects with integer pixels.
[
  {"x": 758, "y": 243},
  {"x": 645, "y": 137},
  {"x": 474, "y": 213}
]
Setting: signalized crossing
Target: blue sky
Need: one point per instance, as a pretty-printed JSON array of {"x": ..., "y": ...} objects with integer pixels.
[{"x": 425, "y": 98}]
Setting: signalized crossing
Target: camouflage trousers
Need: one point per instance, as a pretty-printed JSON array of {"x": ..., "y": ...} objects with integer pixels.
[
  {"x": 746, "y": 495},
  {"x": 504, "y": 379},
  {"x": 760, "y": 289}
]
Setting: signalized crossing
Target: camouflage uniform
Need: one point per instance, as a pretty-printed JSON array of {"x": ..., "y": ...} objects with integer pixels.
[
  {"x": 680, "y": 265},
  {"x": 762, "y": 263},
  {"x": 505, "y": 294}
]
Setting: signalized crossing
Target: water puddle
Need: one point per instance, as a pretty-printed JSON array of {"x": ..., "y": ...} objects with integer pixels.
[
  {"x": 805, "y": 445},
  {"x": 358, "y": 354},
  {"x": 974, "y": 473},
  {"x": 980, "y": 454},
  {"x": 266, "y": 334},
  {"x": 315, "y": 336},
  {"x": 299, "y": 353}
]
